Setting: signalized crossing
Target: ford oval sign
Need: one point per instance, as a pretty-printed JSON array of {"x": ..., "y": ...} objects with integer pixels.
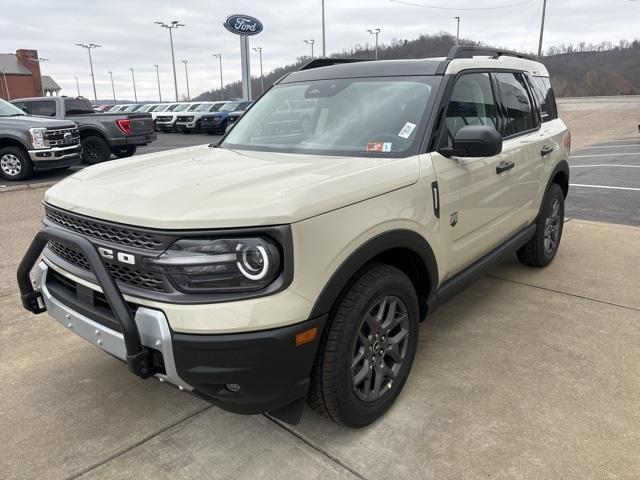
[{"x": 243, "y": 25}]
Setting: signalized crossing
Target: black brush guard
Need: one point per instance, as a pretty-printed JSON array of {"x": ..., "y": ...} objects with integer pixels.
[{"x": 138, "y": 356}]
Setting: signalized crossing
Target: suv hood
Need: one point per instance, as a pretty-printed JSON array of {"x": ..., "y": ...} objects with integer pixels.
[{"x": 204, "y": 187}]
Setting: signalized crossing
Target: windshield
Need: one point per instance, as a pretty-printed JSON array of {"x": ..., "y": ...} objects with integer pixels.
[
  {"x": 354, "y": 116},
  {"x": 203, "y": 107},
  {"x": 157, "y": 108},
  {"x": 194, "y": 107},
  {"x": 8, "y": 110},
  {"x": 181, "y": 107},
  {"x": 146, "y": 108},
  {"x": 229, "y": 107}
]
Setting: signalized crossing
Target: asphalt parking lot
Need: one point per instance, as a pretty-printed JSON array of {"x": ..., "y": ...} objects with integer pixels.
[{"x": 527, "y": 374}]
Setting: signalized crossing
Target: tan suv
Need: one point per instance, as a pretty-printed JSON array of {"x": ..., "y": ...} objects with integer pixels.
[{"x": 290, "y": 264}]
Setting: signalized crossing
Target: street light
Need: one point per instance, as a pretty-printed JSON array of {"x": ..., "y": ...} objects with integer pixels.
[
  {"x": 170, "y": 27},
  {"x": 324, "y": 44},
  {"x": 259, "y": 50},
  {"x": 113, "y": 89},
  {"x": 310, "y": 42},
  {"x": 39, "y": 60},
  {"x": 93, "y": 78},
  {"x": 133, "y": 77},
  {"x": 375, "y": 32},
  {"x": 186, "y": 74},
  {"x": 219, "y": 57},
  {"x": 158, "y": 77},
  {"x": 457, "y": 31},
  {"x": 77, "y": 85}
]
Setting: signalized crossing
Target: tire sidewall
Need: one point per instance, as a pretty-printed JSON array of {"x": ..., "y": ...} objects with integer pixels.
[
  {"x": 26, "y": 165},
  {"x": 105, "y": 152},
  {"x": 554, "y": 192}
]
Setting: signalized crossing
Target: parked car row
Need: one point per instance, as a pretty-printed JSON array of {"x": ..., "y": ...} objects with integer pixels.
[
  {"x": 73, "y": 133},
  {"x": 187, "y": 117}
]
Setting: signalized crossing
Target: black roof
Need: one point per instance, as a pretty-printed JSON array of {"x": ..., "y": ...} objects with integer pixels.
[{"x": 378, "y": 68}]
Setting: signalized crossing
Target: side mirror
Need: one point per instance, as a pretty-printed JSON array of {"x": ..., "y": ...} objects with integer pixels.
[{"x": 475, "y": 141}]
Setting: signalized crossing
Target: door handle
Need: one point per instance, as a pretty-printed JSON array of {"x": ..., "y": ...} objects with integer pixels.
[
  {"x": 504, "y": 166},
  {"x": 546, "y": 151}
]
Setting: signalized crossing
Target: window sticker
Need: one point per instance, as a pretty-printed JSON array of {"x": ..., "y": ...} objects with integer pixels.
[
  {"x": 379, "y": 146},
  {"x": 407, "y": 129}
]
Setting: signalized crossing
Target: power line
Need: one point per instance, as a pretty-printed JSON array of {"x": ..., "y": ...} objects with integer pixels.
[{"x": 435, "y": 7}]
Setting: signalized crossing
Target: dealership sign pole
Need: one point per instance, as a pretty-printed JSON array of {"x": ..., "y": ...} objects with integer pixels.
[{"x": 244, "y": 26}]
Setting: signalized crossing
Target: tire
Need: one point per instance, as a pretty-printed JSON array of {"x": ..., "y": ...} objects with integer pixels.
[
  {"x": 95, "y": 150},
  {"x": 543, "y": 246},
  {"x": 357, "y": 396},
  {"x": 198, "y": 127},
  {"x": 15, "y": 164},
  {"x": 125, "y": 152}
]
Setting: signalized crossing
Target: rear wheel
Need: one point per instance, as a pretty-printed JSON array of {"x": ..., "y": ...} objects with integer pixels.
[
  {"x": 543, "y": 246},
  {"x": 95, "y": 150},
  {"x": 124, "y": 152},
  {"x": 15, "y": 164},
  {"x": 368, "y": 350}
]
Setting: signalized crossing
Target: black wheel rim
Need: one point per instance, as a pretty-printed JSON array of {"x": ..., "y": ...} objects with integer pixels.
[
  {"x": 91, "y": 151},
  {"x": 552, "y": 226},
  {"x": 379, "y": 348}
]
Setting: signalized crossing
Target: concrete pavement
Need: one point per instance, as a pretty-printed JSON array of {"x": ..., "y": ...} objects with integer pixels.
[{"x": 527, "y": 374}]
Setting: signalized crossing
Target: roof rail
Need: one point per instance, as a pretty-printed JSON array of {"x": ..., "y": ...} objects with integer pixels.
[
  {"x": 468, "y": 51},
  {"x": 326, "y": 62}
]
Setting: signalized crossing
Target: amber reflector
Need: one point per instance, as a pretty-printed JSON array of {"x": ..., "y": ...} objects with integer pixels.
[{"x": 306, "y": 336}]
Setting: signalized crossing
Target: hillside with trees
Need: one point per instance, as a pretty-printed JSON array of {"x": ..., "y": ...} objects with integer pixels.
[{"x": 576, "y": 70}]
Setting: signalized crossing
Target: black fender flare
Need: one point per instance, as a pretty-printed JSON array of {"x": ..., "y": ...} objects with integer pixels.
[
  {"x": 561, "y": 167},
  {"x": 392, "y": 239}
]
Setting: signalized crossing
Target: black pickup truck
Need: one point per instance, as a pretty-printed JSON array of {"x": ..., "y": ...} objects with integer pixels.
[
  {"x": 32, "y": 143},
  {"x": 101, "y": 133}
]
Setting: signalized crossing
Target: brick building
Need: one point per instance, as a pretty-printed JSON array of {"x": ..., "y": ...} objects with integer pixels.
[{"x": 20, "y": 76}]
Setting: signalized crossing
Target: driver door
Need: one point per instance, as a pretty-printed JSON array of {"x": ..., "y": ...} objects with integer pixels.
[{"x": 475, "y": 196}]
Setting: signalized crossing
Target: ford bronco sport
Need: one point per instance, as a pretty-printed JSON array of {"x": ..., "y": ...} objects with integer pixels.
[{"x": 279, "y": 266}]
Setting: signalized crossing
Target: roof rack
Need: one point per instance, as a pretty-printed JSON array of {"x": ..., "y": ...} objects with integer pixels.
[
  {"x": 326, "y": 62},
  {"x": 468, "y": 51}
]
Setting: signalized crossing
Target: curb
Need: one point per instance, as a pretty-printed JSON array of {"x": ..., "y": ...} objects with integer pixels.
[{"x": 28, "y": 186}]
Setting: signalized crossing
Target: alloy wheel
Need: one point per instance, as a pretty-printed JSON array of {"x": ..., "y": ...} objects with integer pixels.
[
  {"x": 380, "y": 348},
  {"x": 10, "y": 164},
  {"x": 552, "y": 227}
]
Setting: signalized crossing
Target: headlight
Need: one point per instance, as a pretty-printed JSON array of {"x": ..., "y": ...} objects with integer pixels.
[
  {"x": 38, "y": 139},
  {"x": 220, "y": 265}
]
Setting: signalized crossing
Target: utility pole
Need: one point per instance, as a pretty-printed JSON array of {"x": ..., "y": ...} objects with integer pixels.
[
  {"x": 375, "y": 32},
  {"x": 186, "y": 74},
  {"x": 133, "y": 77},
  {"x": 174, "y": 24},
  {"x": 93, "y": 78},
  {"x": 219, "y": 57},
  {"x": 6, "y": 86},
  {"x": 39, "y": 60},
  {"x": 78, "y": 85},
  {"x": 544, "y": 13},
  {"x": 158, "y": 77},
  {"x": 113, "y": 88},
  {"x": 259, "y": 50},
  {"x": 324, "y": 43},
  {"x": 310, "y": 42},
  {"x": 458, "y": 31}
]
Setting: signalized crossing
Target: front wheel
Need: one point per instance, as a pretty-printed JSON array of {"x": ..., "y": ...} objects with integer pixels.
[
  {"x": 543, "y": 246},
  {"x": 125, "y": 152},
  {"x": 15, "y": 164},
  {"x": 368, "y": 350}
]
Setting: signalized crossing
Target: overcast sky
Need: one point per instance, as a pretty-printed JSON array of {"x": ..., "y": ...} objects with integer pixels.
[{"x": 129, "y": 38}]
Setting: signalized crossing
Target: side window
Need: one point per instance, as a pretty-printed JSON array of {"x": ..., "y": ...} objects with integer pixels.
[
  {"x": 519, "y": 111},
  {"x": 23, "y": 106},
  {"x": 43, "y": 109},
  {"x": 471, "y": 103},
  {"x": 546, "y": 98}
]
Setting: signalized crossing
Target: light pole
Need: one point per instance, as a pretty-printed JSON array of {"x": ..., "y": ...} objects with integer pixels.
[
  {"x": 158, "y": 77},
  {"x": 170, "y": 27},
  {"x": 544, "y": 13},
  {"x": 78, "y": 86},
  {"x": 113, "y": 88},
  {"x": 310, "y": 42},
  {"x": 93, "y": 78},
  {"x": 39, "y": 60},
  {"x": 259, "y": 50},
  {"x": 133, "y": 77},
  {"x": 375, "y": 32},
  {"x": 186, "y": 74},
  {"x": 457, "y": 31},
  {"x": 324, "y": 44},
  {"x": 6, "y": 86},
  {"x": 219, "y": 57}
]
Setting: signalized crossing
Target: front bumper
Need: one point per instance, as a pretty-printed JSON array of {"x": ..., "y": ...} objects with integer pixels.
[
  {"x": 55, "y": 157},
  {"x": 250, "y": 372}
]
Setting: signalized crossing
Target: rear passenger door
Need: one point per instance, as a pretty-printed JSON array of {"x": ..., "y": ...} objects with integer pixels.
[
  {"x": 523, "y": 142},
  {"x": 476, "y": 201}
]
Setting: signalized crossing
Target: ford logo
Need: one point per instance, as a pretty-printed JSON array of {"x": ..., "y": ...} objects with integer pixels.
[
  {"x": 243, "y": 25},
  {"x": 67, "y": 136}
]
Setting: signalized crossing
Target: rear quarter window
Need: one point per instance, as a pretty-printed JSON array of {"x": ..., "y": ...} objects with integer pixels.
[
  {"x": 77, "y": 106},
  {"x": 546, "y": 98}
]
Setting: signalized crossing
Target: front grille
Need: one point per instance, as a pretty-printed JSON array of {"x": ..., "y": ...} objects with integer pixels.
[
  {"x": 103, "y": 231},
  {"x": 56, "y": 136},
  {"x": 185, "y": 119},
  {"x": 121, "y": 274},
  {"x": 163, "y": 119}
]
